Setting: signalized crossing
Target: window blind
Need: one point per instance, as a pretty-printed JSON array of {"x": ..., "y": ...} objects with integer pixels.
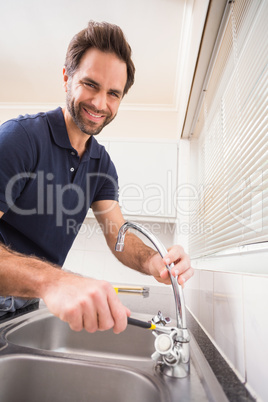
[{"x": 229, "y": 146}]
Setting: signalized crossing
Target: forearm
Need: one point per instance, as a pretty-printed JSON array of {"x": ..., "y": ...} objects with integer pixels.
[
  {"x": 24, "y": 276},
  {"x": 136, "y": 254},
  {"x": 82, "y": 302}
]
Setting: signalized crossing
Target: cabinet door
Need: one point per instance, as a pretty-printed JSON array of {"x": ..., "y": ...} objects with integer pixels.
[{"x": 147, "y": 174}]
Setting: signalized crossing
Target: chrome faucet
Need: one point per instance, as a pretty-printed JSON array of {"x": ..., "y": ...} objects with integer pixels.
[{"x": 174, "y": 361}]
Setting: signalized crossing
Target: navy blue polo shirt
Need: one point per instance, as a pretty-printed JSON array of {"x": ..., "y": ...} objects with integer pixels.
[{"x": 45, "y": 188}]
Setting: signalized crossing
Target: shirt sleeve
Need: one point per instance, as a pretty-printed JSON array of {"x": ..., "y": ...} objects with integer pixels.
[
  {"x": 108, "y": 190},
  {"x": 16, "y": 161}
]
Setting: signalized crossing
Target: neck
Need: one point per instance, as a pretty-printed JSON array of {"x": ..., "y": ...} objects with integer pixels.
[{"x": 77, "y": 138}]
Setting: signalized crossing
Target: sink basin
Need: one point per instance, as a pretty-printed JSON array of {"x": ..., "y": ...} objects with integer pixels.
[
  {"x": 47, "y": 332},
  {"x": 42, "y": 359},
  {"x": 32, "y": 379}
]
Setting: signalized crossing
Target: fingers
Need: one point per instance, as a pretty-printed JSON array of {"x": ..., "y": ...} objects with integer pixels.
[
  {"x": 182, "y": 278},
  {"x": 88, "y": 304},
  {"x": 106, "y": 311},
  {"x": 80, "y": 314},
  {"x": 73, "y": 318},
  {"x": 177, "y": 255},
  {"x": 182, "y": 265},
  {"x": 111, "y": 312},
  {"x": 164, "y": 275},
  {"x": 99, "y": 317}
]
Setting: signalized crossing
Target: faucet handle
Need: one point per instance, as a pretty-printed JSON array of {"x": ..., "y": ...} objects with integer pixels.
[
  {"x": 159, "y": 319},
  {"x": 167, "y": 349}
]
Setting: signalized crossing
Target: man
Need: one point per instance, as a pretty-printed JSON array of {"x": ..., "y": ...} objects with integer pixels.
[{"x": 53, "y": 169}]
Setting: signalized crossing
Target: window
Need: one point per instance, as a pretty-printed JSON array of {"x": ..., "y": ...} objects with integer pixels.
[{"x": 230, "y": 142}]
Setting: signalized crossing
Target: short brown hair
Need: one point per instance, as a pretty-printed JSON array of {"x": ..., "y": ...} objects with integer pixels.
[{"x": 105, "y": 37}]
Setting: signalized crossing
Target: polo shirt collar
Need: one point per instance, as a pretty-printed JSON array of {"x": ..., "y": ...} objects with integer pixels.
[
  {"x": 61, "y": 138},
  {"x": 93, "y": 148}
]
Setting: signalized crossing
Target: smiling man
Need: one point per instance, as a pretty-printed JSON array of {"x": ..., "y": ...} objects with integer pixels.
[
  {"x": 94, "y": 92},
  {"x": 52, "y": 171}
]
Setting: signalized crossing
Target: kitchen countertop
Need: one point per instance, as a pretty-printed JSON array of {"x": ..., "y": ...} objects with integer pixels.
[
  {"x": 234, "y": 389},
  {"x": 17, "y": 313}
]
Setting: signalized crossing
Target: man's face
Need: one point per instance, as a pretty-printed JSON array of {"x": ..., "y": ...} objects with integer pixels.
[{"x": 95, "y": 91}]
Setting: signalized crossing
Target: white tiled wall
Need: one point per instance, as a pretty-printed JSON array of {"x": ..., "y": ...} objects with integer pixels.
[
  {"x": 206, "y": 299},
  {"x": 228, "y": 318},
  {"x": 256, "y": 332},
  {"x": 232, "y": 309}
]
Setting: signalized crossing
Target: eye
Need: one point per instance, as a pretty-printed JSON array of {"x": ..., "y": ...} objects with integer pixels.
[
  {"x": 115, "y": 95},
  {"x": 89, "y": 84}
]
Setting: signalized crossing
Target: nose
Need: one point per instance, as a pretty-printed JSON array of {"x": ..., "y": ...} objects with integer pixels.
[{"x": 99, "y": 100}]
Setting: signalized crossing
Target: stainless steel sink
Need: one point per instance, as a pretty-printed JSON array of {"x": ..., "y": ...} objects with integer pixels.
[
  {"x": 42, "y": 359},
  {"x": 46, "y": 332},
  {"x": 32, "y": 379}
]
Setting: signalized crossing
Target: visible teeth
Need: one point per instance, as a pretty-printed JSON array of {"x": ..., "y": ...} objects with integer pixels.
[{"x": 93, "y": 115}]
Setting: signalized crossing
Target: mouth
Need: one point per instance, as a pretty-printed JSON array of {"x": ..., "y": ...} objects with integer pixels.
[{"x": 95, "y": 117}]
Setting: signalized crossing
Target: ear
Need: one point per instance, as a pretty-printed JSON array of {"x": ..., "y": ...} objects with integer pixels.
[{"x": 65, "y": 79}]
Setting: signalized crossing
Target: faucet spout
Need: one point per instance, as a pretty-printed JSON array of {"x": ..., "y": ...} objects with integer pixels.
[
  {"x": 174, "y": 360},
  {"x": 177, "y": 289}
]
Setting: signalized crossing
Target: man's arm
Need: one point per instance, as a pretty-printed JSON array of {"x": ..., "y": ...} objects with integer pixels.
[
  {"x": 82, "y": 302},
  {"x": 136, "y": 254}
]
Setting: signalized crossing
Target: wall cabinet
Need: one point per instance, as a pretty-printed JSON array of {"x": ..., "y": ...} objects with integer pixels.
[{"x": 147, "y": 174}]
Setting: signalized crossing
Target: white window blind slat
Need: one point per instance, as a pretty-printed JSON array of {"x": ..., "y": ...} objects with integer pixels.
[{"x": 231, "y": 155}]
